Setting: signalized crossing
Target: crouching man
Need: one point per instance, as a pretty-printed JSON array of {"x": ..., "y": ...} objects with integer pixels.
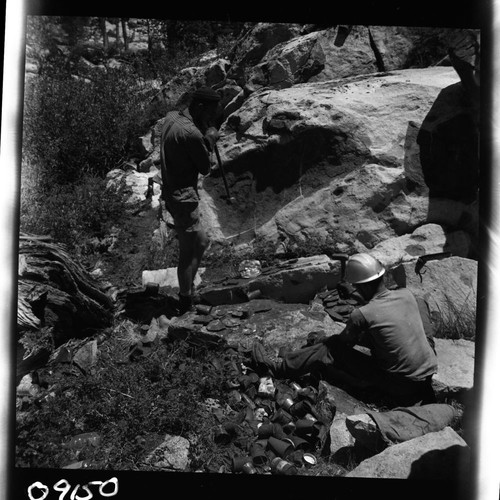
[{"x": 391, "y": 323}]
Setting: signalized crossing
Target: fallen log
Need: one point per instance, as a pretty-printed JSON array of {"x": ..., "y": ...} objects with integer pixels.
[
  {"x": 54, "y": 290},
  {"x": 56, "y": 294}
]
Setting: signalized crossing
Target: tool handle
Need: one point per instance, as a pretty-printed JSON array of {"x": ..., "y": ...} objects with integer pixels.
[{"x": 219, "y": 161}]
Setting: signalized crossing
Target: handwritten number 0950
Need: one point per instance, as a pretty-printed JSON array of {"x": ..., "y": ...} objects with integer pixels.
[{"x": 64, "y": 487}]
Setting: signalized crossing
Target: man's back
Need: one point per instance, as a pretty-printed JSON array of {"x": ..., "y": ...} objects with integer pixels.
[
  {"x": 394, "y": 326},
  {"x": 183, "y": 152}
]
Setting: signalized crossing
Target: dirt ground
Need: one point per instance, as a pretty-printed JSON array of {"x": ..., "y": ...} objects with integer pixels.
[{"x": 133, "y": 251}]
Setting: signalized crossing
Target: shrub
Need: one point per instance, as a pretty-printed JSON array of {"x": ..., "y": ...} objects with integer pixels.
[
  {"x": 428, "y": 50},
  {"x": 74, "y": 127},
  {"x": 71, "y": 214}
]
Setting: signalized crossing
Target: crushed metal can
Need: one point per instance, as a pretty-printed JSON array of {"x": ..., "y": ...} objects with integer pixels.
[
  {"x": 266, "y": 387},
  {"x": 260, "y": 414},
  {"x": 250, "y": 268}
]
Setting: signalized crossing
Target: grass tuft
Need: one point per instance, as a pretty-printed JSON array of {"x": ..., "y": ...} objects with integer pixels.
[{"x": 457, "y": 321}]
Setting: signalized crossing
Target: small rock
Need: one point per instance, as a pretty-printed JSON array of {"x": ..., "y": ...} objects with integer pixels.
[
  {"x": 172, "y": 454},
  {"x": 216, "y": 326},
  {"x": 26, "y": 387},
  {"x": 365, "y": 431},
  {"x": 231, "y": 322},
  {"x": 86, "y": 356},
  {"x": 203, "y": 320},
  {"x": 340, "y": 437}
]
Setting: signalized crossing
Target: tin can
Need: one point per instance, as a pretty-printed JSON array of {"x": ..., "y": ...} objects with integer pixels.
[
  {"x": 309, "y": 459},
  {"x": 310, "y": 417},
  {"x": 258, "y": 454},
  {"x": 152, "y": 289},
  {"x": 301, "y": 408},
  {"x": 283, "y": 467},
  {"x": 287, "y": 403},
  {"x": 249, "y": 468},
  {"x": 268, "y": 430},
  {"x": 248, "y": 401},
  {"x": 297, "y": 458},
  {"x": 239, "y": 462},
  {"x": 279, "y": 447},
  {"x": 280, "y": 416},
  {"x": 308, "y": 393},
  {"x": 221, "y": 435},
  {"x": 305, "y": 427}
]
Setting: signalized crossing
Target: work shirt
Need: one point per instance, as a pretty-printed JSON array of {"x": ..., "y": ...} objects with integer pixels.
[
  {"x": 391, "y": 326},
  {"x": 183, "y": 155}
]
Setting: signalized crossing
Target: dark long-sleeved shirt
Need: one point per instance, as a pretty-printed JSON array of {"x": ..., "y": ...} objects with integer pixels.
[
  {"x": 183, "y": 154},
  {"x": 391, "y": 325}
]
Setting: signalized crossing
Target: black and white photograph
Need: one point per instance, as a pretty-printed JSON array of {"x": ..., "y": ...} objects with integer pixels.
[{"x": 252, "y": 255}]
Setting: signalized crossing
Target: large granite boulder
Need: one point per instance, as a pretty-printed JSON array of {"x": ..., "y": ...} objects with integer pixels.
[
  {"x": 301, "y": 160},
  {"x": 289, "y": 63},
  {"x": 426, "y": 239},
  {"x": 134, "y": 185},
  {"x": 254, "y": 44},
  {"x": 448, "y": 285}
]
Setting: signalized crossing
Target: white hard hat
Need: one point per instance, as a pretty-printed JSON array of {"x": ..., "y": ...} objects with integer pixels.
[{"x": 362, "y": 267}]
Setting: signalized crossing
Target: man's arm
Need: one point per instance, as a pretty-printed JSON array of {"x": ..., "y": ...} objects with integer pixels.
[
  {"x": 199, "y": 153},
  {"x": 354, "y": 331},
  {"x": 429, "y": 327}
]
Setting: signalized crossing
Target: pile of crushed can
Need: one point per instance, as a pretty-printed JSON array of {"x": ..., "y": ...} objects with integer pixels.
[{"x": 282, "y": 427}]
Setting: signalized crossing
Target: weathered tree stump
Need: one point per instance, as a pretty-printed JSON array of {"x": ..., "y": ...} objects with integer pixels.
[{"x": 57, "y": 300}]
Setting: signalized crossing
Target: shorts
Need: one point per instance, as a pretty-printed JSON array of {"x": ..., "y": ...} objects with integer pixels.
[{"x": 183, "y": 207}]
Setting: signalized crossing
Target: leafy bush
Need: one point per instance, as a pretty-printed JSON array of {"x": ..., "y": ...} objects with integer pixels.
[
  {"x": 80, "y": 126},
  {"x": 72, "y": 213}
]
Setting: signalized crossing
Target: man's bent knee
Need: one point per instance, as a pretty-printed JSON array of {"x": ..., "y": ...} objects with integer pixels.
[{"x": 202, "y": 240}]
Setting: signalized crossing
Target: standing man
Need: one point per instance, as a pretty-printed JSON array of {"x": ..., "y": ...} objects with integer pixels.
[
  {"x": 188, "y": 137},
  {"x": 390, "y": 323}
]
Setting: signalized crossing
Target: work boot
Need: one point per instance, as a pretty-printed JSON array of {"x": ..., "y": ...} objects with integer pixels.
[
  {"x": 185, "y": 304},
  {"x": 262, "y": 363}
]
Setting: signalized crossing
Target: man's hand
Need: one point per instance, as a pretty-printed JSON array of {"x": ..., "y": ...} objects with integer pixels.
[
  {"x": 214, "y": 170},
  {"x": 212, "y": 136}
]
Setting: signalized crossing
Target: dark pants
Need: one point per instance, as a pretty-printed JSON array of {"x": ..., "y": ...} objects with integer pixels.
[{"x": 334, "y": 361}]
